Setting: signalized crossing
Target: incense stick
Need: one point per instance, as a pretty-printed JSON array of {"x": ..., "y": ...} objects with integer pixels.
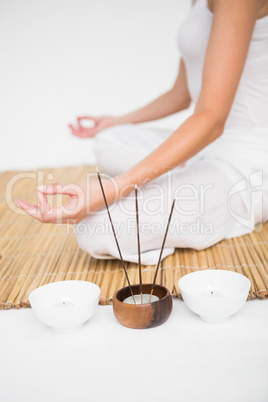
[
  {"x": 117, "y": 244},
  {"x": 138, "y": 238},
  {"x": 162, "y": 248}
]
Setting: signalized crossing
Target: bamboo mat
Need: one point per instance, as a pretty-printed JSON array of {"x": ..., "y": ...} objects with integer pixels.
[{"x": 33, "y": 254}]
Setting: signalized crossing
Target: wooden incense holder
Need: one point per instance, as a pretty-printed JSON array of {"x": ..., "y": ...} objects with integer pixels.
[{"x": 141, "y": 316}]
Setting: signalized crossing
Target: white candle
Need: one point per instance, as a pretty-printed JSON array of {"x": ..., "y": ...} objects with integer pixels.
[
  {"x": 145, "y": 299},
  {"x": 63, "y": 304},
  {"x": 212, "y": 293}
]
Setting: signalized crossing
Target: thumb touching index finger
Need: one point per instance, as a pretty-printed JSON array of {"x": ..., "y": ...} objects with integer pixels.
[{"x": 90, "y": 118}]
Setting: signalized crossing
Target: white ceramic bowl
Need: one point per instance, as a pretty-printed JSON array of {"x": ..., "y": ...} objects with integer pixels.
[
  {"x": 65, "y": 305},
  {"x": 214, "y": 294}
]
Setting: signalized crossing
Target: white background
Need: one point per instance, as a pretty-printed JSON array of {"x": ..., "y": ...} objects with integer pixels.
[{"x": 64, "y": 58}]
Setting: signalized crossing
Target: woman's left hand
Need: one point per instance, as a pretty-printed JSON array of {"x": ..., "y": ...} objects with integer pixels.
[{"x": 73, "y": 211}]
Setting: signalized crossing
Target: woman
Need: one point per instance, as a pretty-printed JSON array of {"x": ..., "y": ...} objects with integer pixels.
[{"x": 222, "y": 190}]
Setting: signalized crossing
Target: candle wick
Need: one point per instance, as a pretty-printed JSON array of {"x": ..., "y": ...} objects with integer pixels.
[{"x": 211, "y": 290}]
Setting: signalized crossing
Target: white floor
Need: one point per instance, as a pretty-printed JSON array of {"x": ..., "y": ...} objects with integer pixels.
[{"x": 183, "y": 360}]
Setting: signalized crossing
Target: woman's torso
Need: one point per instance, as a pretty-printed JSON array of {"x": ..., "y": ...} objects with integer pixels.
[
  {"x": 250, "y": 106},
  {"x": 245, "y": 136}
]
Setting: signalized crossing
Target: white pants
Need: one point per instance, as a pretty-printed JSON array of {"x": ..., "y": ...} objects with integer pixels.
[{"x": 204, "y": 212}]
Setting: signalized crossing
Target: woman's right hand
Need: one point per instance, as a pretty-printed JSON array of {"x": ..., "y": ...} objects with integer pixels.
[{"x": 100, "y": 123}]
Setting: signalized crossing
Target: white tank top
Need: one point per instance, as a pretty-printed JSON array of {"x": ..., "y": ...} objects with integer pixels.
[{"x": 250, "y": 106}]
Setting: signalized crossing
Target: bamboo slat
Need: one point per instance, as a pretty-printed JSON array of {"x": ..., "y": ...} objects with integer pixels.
[{"x": 32, "y": 254}]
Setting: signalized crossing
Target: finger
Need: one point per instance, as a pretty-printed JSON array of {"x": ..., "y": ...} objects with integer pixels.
[
  {"x": 26, "y": 205},
  {"x": 58, "y": 188},
  {"x": 71, "y": 127},
  {"x": 44, "y": 205},
  {"x": 30, "y": 209},
  {"x": 54, "y": 216},
  {"x": 66, "y": 213},
  {"x": 80, "y": 134},
  {"x": 76, "y": 131}
]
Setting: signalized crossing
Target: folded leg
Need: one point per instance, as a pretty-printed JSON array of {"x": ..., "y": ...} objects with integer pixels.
[
  {"x": 201, "y": 216},
  {"x": 120, "y": 147}
]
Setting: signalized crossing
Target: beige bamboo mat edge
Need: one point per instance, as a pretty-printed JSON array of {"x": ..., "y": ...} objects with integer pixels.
[{"x": 32, "y": 254}]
